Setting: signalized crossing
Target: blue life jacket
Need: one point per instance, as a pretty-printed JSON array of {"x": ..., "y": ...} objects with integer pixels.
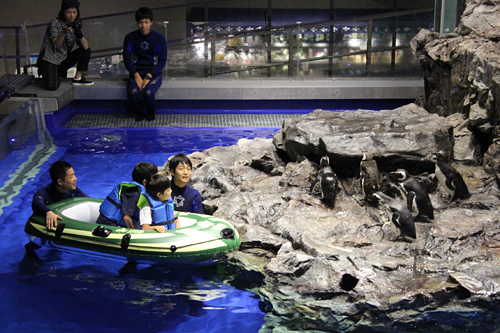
[
  {"x": 111, "y": 206},
  {"x": 163, "y": 213}
]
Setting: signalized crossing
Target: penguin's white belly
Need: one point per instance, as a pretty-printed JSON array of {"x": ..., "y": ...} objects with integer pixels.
[{"x": 442, "y": 179}]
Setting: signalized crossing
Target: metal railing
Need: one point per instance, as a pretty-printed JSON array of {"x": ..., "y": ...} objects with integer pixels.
[{"x": 360, "y": 46}]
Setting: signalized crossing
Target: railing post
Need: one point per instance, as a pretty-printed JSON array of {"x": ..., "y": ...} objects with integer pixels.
[
  {"x": 369, "y": 47},
  {"x": 290, "y": 53},
  {"x": 393, "y": 51},
  {"x": 212, "y": 56},
  {"x": 298, "y": 48},
  {"x": 18, "y": 52},
  {"x": 268, "y": 39},
  {"x": 165, "y": 24},
  {"x": 331, "y": 39}
]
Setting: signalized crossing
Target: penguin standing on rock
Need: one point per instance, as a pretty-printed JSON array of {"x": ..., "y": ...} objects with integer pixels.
[
  {"x": 407, "y": 183},
  {"x": 369, "y": 176},
  {"x": 401, "y": 215},
  {"x": 328, "y": 182},
  {"x": 449, "y": 178}
]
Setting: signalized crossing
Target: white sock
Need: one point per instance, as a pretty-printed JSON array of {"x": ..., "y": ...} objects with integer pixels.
[{"x": 77, "y": 79}]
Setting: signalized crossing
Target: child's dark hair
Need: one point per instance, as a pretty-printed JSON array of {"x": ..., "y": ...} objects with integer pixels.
[
  {"x": 58, "y": 170},
  {"x": 144, "y": 13},
  {"x": 158, "y": 184},
  {"x": 143, "y": 170},
  {"x": 177, "y": 159}
]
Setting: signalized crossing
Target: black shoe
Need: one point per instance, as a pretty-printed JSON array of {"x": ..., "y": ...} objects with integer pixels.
[
  {"x": 140, "y": 117},
  {"x": 150, "y": 117},
  {"x": 82, "y": 82}
]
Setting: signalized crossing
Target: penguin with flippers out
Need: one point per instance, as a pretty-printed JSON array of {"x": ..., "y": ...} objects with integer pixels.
[
  {"x": 407, "y": 183},
  {"x": 450, "y": 178},
  {"x": 328, "y": 182},
  {"x": 401, "y": 215}
]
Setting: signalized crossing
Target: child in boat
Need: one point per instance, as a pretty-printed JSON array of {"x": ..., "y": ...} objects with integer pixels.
[
  {"x": 120, "y": 208},
  {"x": 159, "y": 214},
  {"x": 186, "y": 198}
]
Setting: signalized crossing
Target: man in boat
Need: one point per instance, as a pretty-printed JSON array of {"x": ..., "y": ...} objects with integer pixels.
[
  {"x": 122, "y": 206},
  {"x": 186, "y": 198},
  {"x": 63, "y": 186}
]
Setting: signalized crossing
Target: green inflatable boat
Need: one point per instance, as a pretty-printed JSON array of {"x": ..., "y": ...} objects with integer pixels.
[{"x": 202, "y": 239}]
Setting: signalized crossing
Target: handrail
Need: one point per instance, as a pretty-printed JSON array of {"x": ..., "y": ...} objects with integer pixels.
[
  {"x": 212, "y": 36},
  {"x": 286, "y": 28},
  {"x": 334, "y": 22},
  {"x": 131, "y": 12}
]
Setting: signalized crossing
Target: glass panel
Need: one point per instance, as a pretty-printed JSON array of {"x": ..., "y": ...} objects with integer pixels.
[
  {"x": 382, "y": 33},
  {"x": 279, "y": 47},
  {"x": 35, "y": 32},
  {"x": 286, "y": 12},
  {"x": 279, "y": 71},
  {"x": 8, "y": 51},
  {"x": 317, "y": 68},
  {"x": 349, "y": 66},
  {"x": 381, "y": 63},
  {"x": 350, "y": 37},
  {"x": 239, "y": 46},
  {"x": 19, "y": 126},
  {"x": 407, "y": 64},
  {"x": 408, "y": 26},
  {"x": 448, "y": 16}
]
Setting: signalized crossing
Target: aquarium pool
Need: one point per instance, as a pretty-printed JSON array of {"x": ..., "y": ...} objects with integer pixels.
[
  {"x": 70, "y": 292},
  {"x": 60, "y": 291}
]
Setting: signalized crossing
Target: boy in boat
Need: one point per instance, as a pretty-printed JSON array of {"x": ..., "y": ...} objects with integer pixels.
[
  {"x": 186, "y": 198},
  {"x": 159, "y": 214},
  {"x": 63, "y": 186},
  {"x": 120, "y": 207}
]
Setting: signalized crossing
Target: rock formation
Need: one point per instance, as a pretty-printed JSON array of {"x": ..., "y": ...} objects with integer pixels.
[
  {"x": 462, "y": 75},
  {"x": 341, "y": 269}
]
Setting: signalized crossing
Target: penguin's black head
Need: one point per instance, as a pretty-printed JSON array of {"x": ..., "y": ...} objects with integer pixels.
[
  {"x": 399, "y": 175},
  {"x": 324, "y": 162},
  {"x": 376, "y": 198},
  {"x": 442, "y": 155}
]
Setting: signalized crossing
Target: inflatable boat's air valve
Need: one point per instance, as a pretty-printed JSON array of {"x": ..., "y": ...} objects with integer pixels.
[{"x": 227, "y": 233}]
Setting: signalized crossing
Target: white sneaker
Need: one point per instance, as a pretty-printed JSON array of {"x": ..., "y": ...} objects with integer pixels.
[{"x": 82, "y": 82}]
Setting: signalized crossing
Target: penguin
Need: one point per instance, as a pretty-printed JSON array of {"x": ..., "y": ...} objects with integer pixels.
[
  {"x": 428, "y": 181},
  {"x": 449, "y": 178},
  {"x": 407, "y": 183},
  {"x": 401, "y": 215},
  {"x": 328, "y": 182},
  {"x": 411, "y": 203},
  {"x": 369, "y": 175}
]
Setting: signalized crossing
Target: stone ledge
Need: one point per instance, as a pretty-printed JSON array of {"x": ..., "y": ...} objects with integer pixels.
[{"x": 264, "y": 89}]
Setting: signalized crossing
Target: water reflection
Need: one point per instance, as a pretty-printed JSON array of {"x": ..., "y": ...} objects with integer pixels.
[{"x": 108, "y": 298}]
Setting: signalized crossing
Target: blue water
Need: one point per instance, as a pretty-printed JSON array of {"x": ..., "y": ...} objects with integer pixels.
[{"x": 60, "y": 291}]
